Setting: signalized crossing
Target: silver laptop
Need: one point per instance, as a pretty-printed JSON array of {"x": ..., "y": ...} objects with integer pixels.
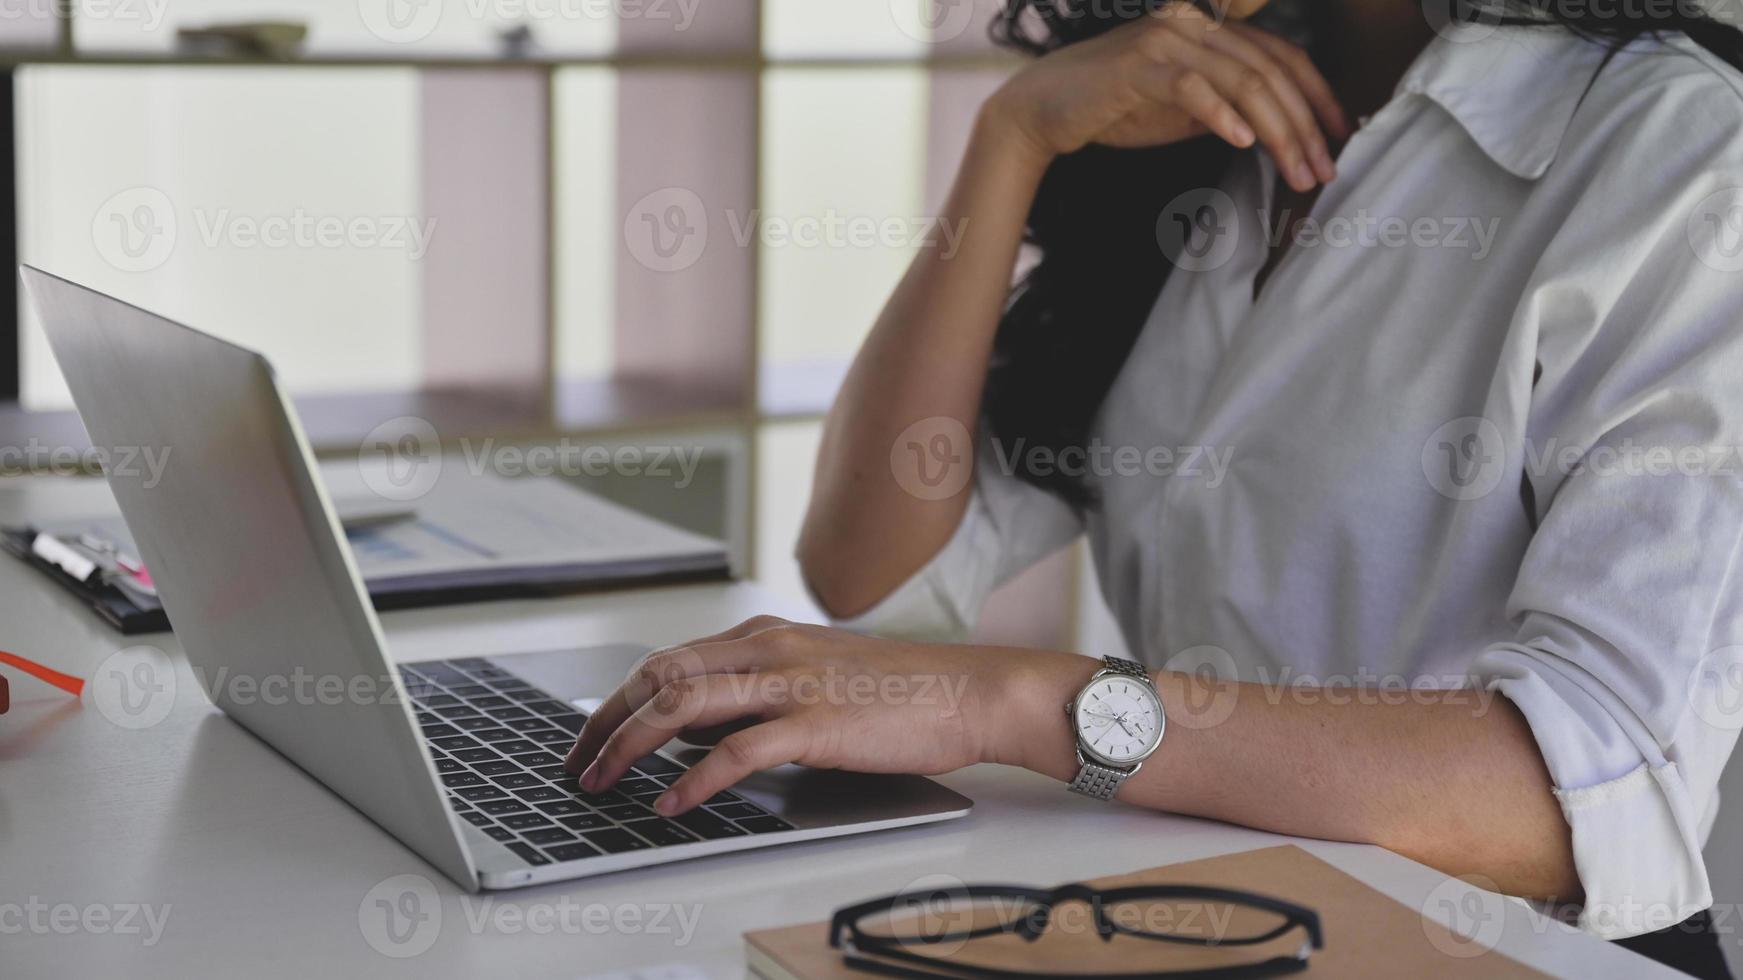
[{"x": 460, "y": 759}]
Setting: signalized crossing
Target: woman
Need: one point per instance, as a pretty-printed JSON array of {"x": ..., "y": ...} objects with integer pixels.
[{"x": 1436, "y": 299}]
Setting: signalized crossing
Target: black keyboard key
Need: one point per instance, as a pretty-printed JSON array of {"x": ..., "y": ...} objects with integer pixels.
[
  {"x": 571, "y": 852},
  {"x": 549, "y": 835},
  {"x": 439, "y": 730},
  {"x": 615, "y": 841},
  {"x": 425, "y": 718},
  {"x": 556, "y": 772},
  {"x": 569, "y": 723},
  {"x": 765, "y": 825},
  {"x": 661, "y": 833},
  {"x": 584, "y": 821},
  {"x": 517, "y": 780},
  {"x": 469, "y": 690},
  {"x": 721, "y": 799},
  {"x": 707, "y": 826},
  {"x": 456, "y": 711},
  {"x": 527, "y": 851},
  {"x": 525, "y": 821},
  {"x": 499, "y": 833},
  {"x": 490, "y": 701},
  {"x": 475, "y": 818},
  {"x": 515, "y": 746},
  {"x": 635, "y": 786},
  {"x": 548, "y": 706},
  {"x": 472, "y": 723},
  {"x": 541, "y": 794},
  {"x": 437, "y": 701},
  {"x": 470, "y": 664},
  {"x": 538, "y": 760},
  {"x": 477, "y": 755},
  {"x": 477, "y": 793},
  {"x": 654, "y": 765},
  {"x": 559, "y": 807},
  {"x": 439, "y": 672},
  {"x": 496, "y": 767},
  {"x": 507, "y": 714},
  {"x": 626, "y": 811},
  {"x": 600, "y": 800},
  {"x": 495, "y": 735},
  {"x": 530, "y": 723},
  {"x": 457, "y": 804},
  {"x": 454, "y": 743},
  {"x": 739, "y": 811},
  {"x": 551, "y": 736},
  {"x": 454, "y": 780},
  {"x": 500, "y": 807},
  {"x": 446, "y": 766}
]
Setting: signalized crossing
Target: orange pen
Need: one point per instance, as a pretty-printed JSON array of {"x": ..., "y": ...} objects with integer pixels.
[{"x": 66, "y": 682}]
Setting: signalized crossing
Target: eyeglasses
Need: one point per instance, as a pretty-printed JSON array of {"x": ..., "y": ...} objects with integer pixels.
[{"x": 927, "y": 934}]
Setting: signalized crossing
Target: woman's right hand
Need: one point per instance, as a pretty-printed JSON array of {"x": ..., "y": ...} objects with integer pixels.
[{"x": 1173, "y": 75}]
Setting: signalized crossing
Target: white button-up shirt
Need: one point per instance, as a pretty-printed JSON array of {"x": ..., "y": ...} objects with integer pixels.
[{"x": 1481, "y": 426}]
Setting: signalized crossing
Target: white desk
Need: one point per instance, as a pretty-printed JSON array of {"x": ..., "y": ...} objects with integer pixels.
[{"x": 263, "y": 871}]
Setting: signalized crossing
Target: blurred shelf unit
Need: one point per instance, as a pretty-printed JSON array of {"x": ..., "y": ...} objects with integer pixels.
[{"x": 685, "y": 340}]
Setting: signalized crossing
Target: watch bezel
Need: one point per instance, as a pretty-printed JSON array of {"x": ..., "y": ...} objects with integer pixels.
[{"x": 1085, "y": 751}]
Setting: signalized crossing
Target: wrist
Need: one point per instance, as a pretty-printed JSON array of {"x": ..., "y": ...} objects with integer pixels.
[
  {"x": 1000, "y": 135},
  {"x": 1027, "y": 718}
]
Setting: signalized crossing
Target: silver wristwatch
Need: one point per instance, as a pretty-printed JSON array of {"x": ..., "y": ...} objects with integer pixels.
[{"x": 1118, "y": 720}]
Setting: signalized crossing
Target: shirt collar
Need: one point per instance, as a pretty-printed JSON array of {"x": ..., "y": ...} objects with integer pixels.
[{"x": 1513, "y": 89}]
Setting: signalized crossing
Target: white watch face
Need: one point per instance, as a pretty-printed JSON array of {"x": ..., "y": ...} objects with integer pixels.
[{"x": 1118, "y": 719}]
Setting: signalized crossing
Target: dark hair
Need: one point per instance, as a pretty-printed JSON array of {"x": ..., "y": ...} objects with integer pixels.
[{"x": 1073, "y": 318}]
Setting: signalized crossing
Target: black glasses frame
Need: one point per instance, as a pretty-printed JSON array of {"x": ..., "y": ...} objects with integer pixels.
[{"x": 1030, "y": 926}]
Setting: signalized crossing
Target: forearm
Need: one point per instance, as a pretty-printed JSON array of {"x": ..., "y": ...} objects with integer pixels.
[
  {"x": 1453, "y": 779},
  {"x": 926, "y": 357}
]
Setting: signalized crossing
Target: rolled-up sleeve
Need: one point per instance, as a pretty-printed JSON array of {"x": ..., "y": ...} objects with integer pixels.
[
  {"x": 1627, "y": 599},
  {"x": 1008, "y": 526}
]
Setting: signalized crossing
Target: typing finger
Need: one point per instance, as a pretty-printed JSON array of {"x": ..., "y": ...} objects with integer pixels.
[
  {"x": 738, "y": 755},
  {"x": 713, "y": 699}
]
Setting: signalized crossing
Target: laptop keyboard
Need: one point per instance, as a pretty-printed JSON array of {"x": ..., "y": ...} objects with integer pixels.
[{"x": 498, "y": 743}]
